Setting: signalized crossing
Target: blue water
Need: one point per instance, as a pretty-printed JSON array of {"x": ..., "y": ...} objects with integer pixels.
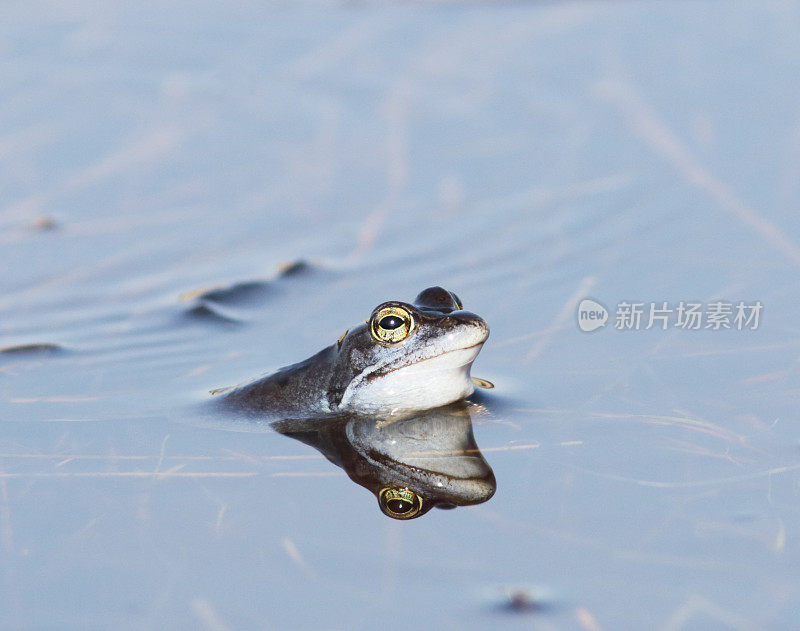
[{"x": 525, "y": 156}]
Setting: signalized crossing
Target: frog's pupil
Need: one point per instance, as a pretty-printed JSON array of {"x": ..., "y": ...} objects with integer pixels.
[
  {"x": 399, "y": 506},
  {"x": 390, "y": 322}
]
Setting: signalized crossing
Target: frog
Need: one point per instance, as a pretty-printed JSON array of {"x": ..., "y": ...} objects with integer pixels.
[{"x": 405, "y": 357}]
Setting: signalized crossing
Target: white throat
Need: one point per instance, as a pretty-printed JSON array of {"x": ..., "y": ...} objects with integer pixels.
[{"x": 429, "y": 383}]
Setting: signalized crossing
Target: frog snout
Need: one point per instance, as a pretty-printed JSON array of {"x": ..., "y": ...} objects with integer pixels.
[{"x": 472, "y": 322}]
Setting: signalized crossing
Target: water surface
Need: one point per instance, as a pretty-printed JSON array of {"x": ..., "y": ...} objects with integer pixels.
[{"x": 160, "y": 166}]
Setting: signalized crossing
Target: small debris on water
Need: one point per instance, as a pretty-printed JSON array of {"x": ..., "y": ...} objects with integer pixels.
[
  {"x": 292, "y": 268},
  {"x": 524, "y": 600},
  {"x": 44, "y": 222}
]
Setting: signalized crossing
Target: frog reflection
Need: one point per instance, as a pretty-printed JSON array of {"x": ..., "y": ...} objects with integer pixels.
[{"x": 411, "y": 464}]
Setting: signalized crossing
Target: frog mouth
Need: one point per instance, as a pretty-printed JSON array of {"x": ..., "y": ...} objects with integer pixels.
[{"x": 466, "y": 355}]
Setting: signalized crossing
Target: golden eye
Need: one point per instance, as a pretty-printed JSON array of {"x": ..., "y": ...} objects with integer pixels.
[
  {"x": 399, "y": 502},
  {"x": 391, "y": 324}
]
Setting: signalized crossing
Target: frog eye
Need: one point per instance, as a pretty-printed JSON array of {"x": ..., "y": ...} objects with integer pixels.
[
  {"x": 399, "y": 502},
  {"x": 391, "y": 324}
]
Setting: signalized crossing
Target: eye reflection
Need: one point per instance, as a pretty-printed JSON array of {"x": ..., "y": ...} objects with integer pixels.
[{"x": 399, "y": 503}]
